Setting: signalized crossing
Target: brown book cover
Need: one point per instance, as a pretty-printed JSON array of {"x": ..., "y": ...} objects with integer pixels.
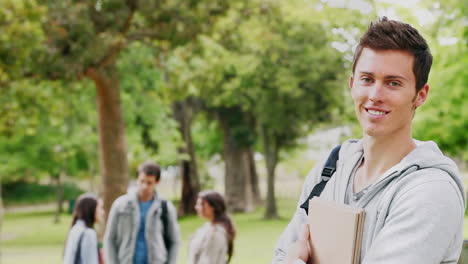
[{"x": 335, "y": 232}]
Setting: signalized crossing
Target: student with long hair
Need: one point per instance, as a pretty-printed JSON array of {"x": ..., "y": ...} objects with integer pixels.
[
  {"x": 213, "y": 243},
  {"x": 82, "y": 242}
]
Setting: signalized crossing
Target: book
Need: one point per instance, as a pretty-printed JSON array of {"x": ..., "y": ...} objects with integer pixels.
[{"x": 335, "y": 232}]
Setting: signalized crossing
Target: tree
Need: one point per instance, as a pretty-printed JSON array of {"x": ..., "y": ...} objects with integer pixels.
[
  {"x": 85, "y": 39},
  {"x": 295, "y": 83},
  {"x": 281, "y": 66},
  {"x": 184, "y": 112},
  {"x": 184, "y": 109},
  {"x": 152, "y": 132},
  {"x": 52, "y": 136},
  {"x": 27, "y": 102},
  {"x": 447, "y": 96},
  {"x": 199, "y": 71}
]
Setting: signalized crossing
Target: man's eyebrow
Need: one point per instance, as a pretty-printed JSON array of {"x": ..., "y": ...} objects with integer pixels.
[
  {"x": 367, "y": 73},
  {"x": 395, "y": 77},
  {"x": 386, "y": 77}
]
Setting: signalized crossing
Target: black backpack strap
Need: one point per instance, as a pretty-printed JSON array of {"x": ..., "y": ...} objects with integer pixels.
[
  {"x": 327, "y": 173},
  {"x": 165, "y": 222},
  {"x": 78, "y": 249}
]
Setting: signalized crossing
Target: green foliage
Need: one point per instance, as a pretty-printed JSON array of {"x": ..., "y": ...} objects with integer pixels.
[
  {"x": 152, "y": 132},
  {"x": 64, "y": 41},
  {"x": 260, "y": 66},
  {"x": 207, "y": 137},
  {"x": 21, "y": 39},
  {"x": 89, "y": 34},
  {"x": 45, "y": 129},
  {"x": 28, "y": 193},
  {"x": 207, "y": 182},
  {"x": 444, "y": 117},
  {"x": 260, "y": 63}
]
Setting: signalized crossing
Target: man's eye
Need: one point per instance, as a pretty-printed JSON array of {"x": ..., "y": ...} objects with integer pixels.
[
  {"x": 394, "y": 84},
  {"x": 366, "y": 79}
]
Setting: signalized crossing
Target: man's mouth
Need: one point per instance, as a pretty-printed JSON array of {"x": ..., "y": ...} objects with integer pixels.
[{"x": 376, "y": 112}]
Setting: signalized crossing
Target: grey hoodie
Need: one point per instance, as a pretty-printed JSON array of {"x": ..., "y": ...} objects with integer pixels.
[
  {"x": 88, "y": 245},
  {"x": 414, "y": 211},
  {"x": 122, "y": 230}
]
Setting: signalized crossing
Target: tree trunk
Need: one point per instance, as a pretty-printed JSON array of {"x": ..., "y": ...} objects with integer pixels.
[
  {"x": 270, "y": 150},
  {"x": 91, "y": 172},
  {"x": 238, "y": 182},
  {"x": 183, "y": 112},
  {"x": 112, "y": 146},
  {"x": 256, "y": 195},
  {"x": 59, "y": 197}
]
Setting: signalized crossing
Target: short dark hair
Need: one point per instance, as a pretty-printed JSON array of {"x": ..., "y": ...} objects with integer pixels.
[
  {"x": 385, "y": 34},
  {"x": 149, "y": 168}
]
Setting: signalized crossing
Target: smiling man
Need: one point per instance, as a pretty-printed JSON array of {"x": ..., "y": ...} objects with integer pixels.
[{"x": 412, "y": 194}]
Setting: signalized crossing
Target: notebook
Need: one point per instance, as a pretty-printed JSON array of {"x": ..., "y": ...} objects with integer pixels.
[{"x": 335, "y": 232}]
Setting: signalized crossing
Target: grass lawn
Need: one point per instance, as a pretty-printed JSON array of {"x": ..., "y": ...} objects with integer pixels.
[{"x": 34, "y": 238}]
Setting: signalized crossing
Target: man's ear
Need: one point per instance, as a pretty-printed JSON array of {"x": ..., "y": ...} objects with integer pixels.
[
  {"x": 421, "y": 96},
  {"x": 351, "y": 81}
]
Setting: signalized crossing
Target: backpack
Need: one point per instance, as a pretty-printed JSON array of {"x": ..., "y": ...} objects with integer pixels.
[
  {"x": 165, "y": 222},
  {"x": 327, "y": 173},
  {"x": 78, "y": 250}
]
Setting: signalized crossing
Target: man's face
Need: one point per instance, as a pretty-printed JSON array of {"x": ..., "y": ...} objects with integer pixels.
[
  {"x": 383, "y": 88},
  {"x": 146, "y": 185}
]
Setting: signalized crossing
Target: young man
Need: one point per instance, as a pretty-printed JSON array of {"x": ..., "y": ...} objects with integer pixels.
[
  {"x": 412, "y": 194},
  {"x": 140, "y": 228}
]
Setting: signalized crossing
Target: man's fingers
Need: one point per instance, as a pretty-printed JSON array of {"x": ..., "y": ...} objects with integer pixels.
[{"x": 304, "y": 233}]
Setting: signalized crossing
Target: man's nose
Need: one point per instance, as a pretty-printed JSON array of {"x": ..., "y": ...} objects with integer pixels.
[{"x": 377, "y": 91}]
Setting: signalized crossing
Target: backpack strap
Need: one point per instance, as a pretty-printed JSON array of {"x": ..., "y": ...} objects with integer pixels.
[
  {"x": 165, "y": 222},
  {"x": 78, "y": 249},
  {"x": 327, "y": 173}
]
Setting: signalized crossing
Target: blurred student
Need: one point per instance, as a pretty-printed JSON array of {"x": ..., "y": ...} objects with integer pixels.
[
  {"x": 142, "y": 227},
  {"x": 82, "y": 242},
  {"x": 212, "y": 243}
]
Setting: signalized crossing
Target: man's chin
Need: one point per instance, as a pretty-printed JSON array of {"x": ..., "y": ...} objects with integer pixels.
[
  {"x": 373, "y": 133},
  {"x": 145, "y": 194}
]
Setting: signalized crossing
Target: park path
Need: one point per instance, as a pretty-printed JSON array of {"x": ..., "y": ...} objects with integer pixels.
[{"x": 31, "y": 208}]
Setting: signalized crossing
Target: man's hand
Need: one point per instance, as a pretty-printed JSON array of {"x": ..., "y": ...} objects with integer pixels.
[{"x": 301, "y": 248}]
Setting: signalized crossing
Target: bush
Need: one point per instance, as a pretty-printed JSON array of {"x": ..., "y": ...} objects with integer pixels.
[{"x": 23, "y": 192}]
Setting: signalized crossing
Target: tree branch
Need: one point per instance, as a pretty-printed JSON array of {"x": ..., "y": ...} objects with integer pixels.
[
  {"x": 115, "y": 49},
  {"x": 140, "y": 35}
]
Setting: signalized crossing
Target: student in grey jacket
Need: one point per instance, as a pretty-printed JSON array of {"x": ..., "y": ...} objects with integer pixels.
[
  {"x": 136, "y": 232},
  {"x": 213, "y": 243},
  {"x": 82, "y": 242},
  {"x": 412, "y": 194}
]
